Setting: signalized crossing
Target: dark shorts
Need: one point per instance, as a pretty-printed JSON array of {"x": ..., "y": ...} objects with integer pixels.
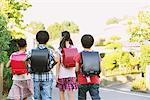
[{"x": 93, "y": 90}]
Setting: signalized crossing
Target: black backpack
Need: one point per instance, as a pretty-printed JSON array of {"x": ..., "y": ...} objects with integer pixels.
[
  {"x": 40, "y": 60},
  {"x": 90, "y": 62}
]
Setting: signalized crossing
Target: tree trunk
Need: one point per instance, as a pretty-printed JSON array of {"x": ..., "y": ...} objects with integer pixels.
[
  {"x": 148, "y": 77},
  {"x": 1, "y": 79}
]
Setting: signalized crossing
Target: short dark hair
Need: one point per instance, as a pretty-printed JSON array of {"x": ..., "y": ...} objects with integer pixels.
[
  {"x": 87, "y": 41},
  {"x": 42, "y": 37},
  {"x": 22, "y": 43}
]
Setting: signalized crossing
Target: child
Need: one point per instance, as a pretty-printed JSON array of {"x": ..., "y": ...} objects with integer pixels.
[
  {"x": 22, "y": 86},
  {"x": 90, "y": 83},
  {"x": 42, "y": 80},
  {"x": 65, "y": 77}
]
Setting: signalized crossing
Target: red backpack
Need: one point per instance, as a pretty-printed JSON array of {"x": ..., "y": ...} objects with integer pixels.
[
  {"x": 68, "y": 55},
  {"x": 17, "y": 63}
]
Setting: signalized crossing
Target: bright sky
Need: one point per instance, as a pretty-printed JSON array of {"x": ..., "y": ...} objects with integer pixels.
[{"x": 90, "y": 15}]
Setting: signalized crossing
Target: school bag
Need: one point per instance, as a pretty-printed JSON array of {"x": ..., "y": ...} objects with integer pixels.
[
  {"x": 41, "y": 60},
  {"x": 67, "y": 57},
  {"x": 90, "y": 63},
  {"x": 18, "y": 63}
]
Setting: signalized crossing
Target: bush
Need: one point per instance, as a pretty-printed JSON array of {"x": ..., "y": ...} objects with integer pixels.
[
  {"x": 139, "y": 85},
  {"x": 7, "y": 80}
]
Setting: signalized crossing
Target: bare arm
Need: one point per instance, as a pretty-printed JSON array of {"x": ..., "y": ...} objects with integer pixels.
[
  {"x": 77, "y": 67},
  {"x": 57, "y": 65},
  {"x": 8, "y": 64}
]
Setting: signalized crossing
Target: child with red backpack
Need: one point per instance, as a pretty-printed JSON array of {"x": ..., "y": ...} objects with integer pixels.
[
  {"x": 22, "y": 86},
  {"x": 65, "y": 71},
  {"x": 88, "y": 69}
]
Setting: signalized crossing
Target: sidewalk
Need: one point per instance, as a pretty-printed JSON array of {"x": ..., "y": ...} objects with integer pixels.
[
  {"x": 125, "y": 87},
  {"x": 120, "y": 86}
]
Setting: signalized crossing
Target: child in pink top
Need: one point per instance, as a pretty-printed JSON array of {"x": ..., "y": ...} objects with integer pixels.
[{"x": 22, "y": 86}]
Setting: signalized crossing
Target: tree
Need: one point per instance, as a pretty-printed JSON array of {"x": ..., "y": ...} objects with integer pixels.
[
  {"x": 10, "y": 15},
  {"x": 12, "y": 9},
  {"x": 34, "y": 27},
  {"x": 4, "y": 45},
  {"x": 4, "y": 39},
  {"x": 145, "y": 56},
  {"x": 113, "y": 43},
  {"x": 116, "y": 20},
  {"x": 56, "y": 28},
  {"x": 139, "y": 27},
  {"x": 70, "y": 26},
  {"x": 113, "y": 20}
]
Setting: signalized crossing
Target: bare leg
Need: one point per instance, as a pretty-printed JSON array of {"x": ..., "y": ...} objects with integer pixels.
[
  {"x": 70, "y": 94},
  {"x": 62, "y": 96}
]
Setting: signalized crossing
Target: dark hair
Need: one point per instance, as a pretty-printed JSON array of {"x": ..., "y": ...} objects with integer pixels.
[
  {"x": 87, "y": 41},
  {"x": 65, "y": 37},
  {"x": 21, "y": 43},
  {"x": 42, "y": 37}
]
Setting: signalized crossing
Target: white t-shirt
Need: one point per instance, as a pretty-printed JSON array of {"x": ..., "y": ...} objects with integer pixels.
[{"x": 66, "y": 72}]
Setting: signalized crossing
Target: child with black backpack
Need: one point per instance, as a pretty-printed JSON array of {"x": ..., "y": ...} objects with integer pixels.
[
  {"x": 22, "y": 86},
  {"x": 41, "y": 60},
  {"x": 88, "y": 69}
]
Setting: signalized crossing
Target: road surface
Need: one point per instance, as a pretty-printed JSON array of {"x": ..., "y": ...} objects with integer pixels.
[{"x": 110, "y": 94}]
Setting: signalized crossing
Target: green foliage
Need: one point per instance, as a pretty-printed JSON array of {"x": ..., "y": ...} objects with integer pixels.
[
  {"x": 145, "y": 56},
  {"x": 10, "y": 16},
  {"x": 113, "y": 20},
  {"x": 17, "y": 35},
  {"x": 113, "y": 45},
  {"x": 12, "y": 47},
  {"x": 7, "y": 79},
  {"x": 125, "y": 59},
  {"x": 56, "y": 28},
  {"x": 109, "y": 62},
  {"x": 70, "y": 26},
  {"x": 115, "y": 38},
  {"x": 34, "y": 27},
  {"x": 139, "y": 27},
  {"x": 121, "y": 60},
  {"x": 139, "y": 84},
  {"x": 10, "y": 13},
  {"x": 100, "y": 42},
  {"x": 4, "y": 39},
  {"x": 12, "y": 9}
]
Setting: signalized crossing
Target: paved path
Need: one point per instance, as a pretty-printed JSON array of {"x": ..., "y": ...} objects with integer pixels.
[{"x": 110, "y": 94}]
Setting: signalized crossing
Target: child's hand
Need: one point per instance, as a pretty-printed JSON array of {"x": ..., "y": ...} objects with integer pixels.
[{"x": 56, "y": 78}]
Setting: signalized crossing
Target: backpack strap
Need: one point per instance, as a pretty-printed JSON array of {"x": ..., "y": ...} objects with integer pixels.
[{"x": 81, "y": 58}]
